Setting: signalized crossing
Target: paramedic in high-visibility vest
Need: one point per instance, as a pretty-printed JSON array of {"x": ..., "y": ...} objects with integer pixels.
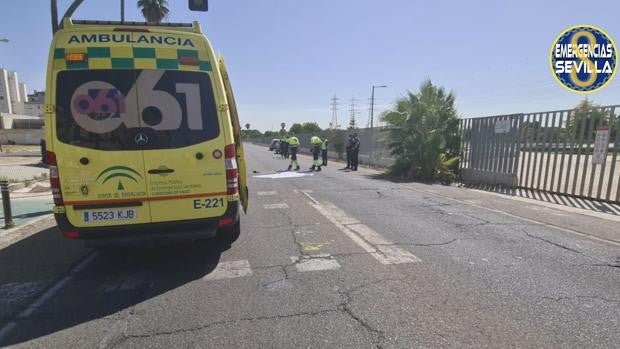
[
  {"x": 324, "y": 150},
  {"x": 316, "y": 143},
  {"x": 293, "y": 145}
]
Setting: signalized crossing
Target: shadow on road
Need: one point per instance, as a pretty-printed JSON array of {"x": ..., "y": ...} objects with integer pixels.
[
  {"x": 565, "y": 200},
  {"x": 116, "y": 280}
]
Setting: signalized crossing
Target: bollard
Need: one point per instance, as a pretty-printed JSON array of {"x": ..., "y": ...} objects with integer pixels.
[{"x": 6, "y": 204}]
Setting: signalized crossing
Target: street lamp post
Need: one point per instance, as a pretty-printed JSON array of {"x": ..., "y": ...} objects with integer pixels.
[
  {"x": 372, "y": 104},
  {"x": 372, "y": 115}
]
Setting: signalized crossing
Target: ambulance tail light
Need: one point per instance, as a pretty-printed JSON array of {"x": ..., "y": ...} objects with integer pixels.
[
  {"x": 232, "y": 173},
  {"x": 225, "y": 222},
  {"x": 54, "y": 179}
]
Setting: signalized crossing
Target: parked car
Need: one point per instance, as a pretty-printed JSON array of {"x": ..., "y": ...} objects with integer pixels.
[{"x": 275, "y": 145}]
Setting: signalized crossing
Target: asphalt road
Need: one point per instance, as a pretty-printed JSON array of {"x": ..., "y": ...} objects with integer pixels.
[{"x": 331, "y": 259}]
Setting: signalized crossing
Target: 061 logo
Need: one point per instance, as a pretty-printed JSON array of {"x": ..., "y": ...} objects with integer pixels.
[
  {"x": 583, "y": 58},
  {"x": 99, "y": 107}
]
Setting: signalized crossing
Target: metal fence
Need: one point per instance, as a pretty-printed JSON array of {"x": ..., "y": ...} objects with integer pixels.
[{"x": 570, "y": 152}]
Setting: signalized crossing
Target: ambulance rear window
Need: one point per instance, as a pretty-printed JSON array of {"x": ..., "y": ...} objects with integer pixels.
[{"x": 135, "y": 109}]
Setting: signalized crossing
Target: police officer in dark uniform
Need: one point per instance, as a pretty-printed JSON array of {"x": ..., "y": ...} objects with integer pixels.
[
  {"x": 355, "y": 152},
  {"x": 284, "y": 142},
  {"x": 348, "y": 149}
]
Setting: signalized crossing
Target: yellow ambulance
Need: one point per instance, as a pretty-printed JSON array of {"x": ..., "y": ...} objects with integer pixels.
[{"x": 142, "y": 134}]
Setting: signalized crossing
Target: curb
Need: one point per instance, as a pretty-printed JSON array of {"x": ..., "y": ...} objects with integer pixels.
[{"x": 10, "y": 236}]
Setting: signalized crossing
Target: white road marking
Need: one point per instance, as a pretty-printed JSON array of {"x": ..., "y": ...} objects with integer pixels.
[
  {"x": 128, "y": 283},
  {"x": 372, "y": 242},
  {"x": 315, "y": 263},
  {"x": 275, "y": 206},
  {"x": 230, "y": 270},
  {"x": 51, "y": 292},
  {"x": 267, "y": 193},
  {"x": 284, "y": 175},
  {"x": 307, "y": 194}
]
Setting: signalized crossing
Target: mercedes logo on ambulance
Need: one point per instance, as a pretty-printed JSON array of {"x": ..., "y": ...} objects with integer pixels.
[{"x": 140, "y": 138}]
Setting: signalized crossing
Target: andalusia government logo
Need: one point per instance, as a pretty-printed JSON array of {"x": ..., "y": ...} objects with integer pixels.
[{"x": 584, "y": 58}]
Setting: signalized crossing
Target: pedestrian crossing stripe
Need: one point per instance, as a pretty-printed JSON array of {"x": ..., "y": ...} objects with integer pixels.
[{"x": 132, "y": 58}]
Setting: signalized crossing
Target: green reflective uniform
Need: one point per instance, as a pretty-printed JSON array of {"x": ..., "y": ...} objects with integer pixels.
[{"x": 293, "y": 144}]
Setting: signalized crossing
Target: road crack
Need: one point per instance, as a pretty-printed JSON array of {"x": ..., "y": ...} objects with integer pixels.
[
  {"x": 345, "y": 307},
  {"x": 553, "y": 243},
  {"x": 227, "y": 322}
]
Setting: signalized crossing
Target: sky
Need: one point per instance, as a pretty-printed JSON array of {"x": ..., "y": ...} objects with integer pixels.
[{"x": 288, "y": 58}]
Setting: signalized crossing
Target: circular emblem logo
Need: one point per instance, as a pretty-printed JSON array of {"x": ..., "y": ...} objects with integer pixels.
[
  {"x": 584, "y": 58},
  {"x": 140, "y": 138}
]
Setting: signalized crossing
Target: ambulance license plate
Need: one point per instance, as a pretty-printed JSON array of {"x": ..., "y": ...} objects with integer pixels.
[{"x": 124, "y": 214}]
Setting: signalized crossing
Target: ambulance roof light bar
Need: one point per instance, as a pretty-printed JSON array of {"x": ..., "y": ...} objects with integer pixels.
[{"x": 130, "y": 23}]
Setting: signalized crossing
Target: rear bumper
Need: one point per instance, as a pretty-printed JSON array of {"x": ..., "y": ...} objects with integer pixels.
[{"x": 150, "y": 232}]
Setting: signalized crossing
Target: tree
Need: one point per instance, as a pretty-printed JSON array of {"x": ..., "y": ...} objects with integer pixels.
[
  {"x": 310, "y": 127},
  {"x": 423, "y": 132},
  {"x": 272, "y": 134},
  {"x": 282, "y": 126},
  {"x": 154, "y": 11},
  {"x": 296, "y": 128},
  {"x": 251, "y": 134},
  {"x": 352, "y": 123},
  {"x": 247, "y": 126},
  {"x": 585, "y": 118}
]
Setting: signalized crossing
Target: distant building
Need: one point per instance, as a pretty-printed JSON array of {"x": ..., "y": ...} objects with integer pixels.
[
  {"x": 34, "y": 106},
  {"x": 37, "y": 97},
  {"x": 5, "y": 94},
  {"x": 17, "y": 102},
  {"x": 14, "y": 97},
  {"x": 23, "y": 92}
]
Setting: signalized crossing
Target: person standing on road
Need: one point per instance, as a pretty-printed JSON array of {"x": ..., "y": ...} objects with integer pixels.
[
  {"x": 348, "y": 149},
  {"x": 293, "y": 144},
  {"x": 285, "y": 146},
  {"x": 355, "y": 152},
  {"x": 282, "y": 145},
  {"x": 324, "y": 151},
  {"x": 316, "y": 143}
]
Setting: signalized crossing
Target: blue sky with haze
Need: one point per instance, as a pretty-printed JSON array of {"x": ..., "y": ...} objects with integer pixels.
[{"x": 287, "y": 58}]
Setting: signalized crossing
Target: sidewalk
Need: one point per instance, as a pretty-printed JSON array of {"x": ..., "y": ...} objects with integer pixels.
[{"x": 30, "y": 189}]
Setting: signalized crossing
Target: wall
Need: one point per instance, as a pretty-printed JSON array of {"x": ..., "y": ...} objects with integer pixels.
[
  {"x": 30, "y": 137},
  {"x": 5, "y": 96}
]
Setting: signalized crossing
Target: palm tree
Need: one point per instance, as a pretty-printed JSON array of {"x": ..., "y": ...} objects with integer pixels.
[
  {"x": 154, "y": 11},
  {"x": 423, "y": 132},
  {"x": 247, "y": 126}
]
